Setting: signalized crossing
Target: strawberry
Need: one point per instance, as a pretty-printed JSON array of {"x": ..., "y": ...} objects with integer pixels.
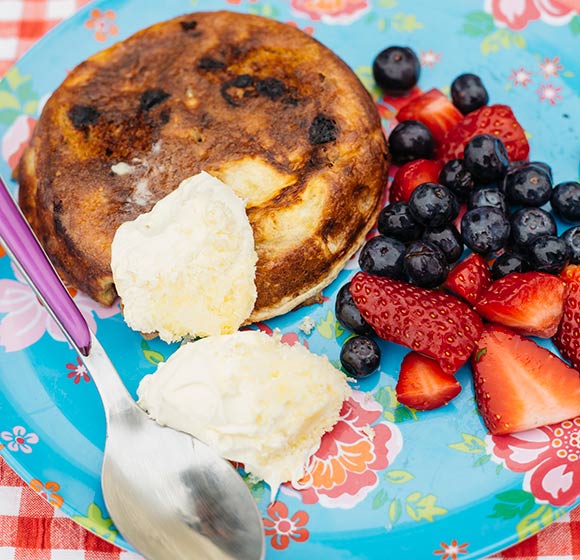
[
  {"x": 493, "y": 119},
  {"x": 520, "y": 385},
  {"x": 427, "y": 321},
  {"x": 411, "y": 175},
  {"x": 434, "y": 110},
  {"x": 469, "y": 278},
  {"x": 567, "y": 339},
  {"x": 423, "y": 385},
  {"x": 529, "y": 302}
]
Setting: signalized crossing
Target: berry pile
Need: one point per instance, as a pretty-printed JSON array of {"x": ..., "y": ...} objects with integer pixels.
[{"x": 465, "y": 188}]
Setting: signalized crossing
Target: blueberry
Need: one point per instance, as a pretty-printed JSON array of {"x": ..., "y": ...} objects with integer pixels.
[
  {"x": 468, "y": 93},
  {"x": 456, "y": 178},
  {"x": 572, "y": 238},
  {"x": 360, "y": 356},
  {"x": 433, "y": 205},
  {"x": 486, "y": 158},
  {"x": 347, "y": 313},
  {"x": 152, "y": 97},
  {"x": 528, "y": 224},
  {"x": 548, "y": 254},
  {"x": 529, "y": 185},
  {"x": 489, "y": 195},
  {"x": 426, "y": 264},
  {"x": 383, "y": 256},
  {"x": 566, "y": 201},
  {"x": 448, "y": 239},
  {"x": 515, "y": 165},
  {"x": 396, "y": 70},
  {"x": 507, "y": 264},
  {"x": 411, "y": 140},
  {"x": 485, "y": 229},
  {"x": 396, "y": 220}
]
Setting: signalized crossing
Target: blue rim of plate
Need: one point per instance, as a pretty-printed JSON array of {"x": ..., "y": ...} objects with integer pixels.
[{"x": 428, "y": 485}]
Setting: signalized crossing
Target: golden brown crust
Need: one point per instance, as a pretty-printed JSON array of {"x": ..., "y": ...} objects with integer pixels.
[{"x": 257, "y": 103}]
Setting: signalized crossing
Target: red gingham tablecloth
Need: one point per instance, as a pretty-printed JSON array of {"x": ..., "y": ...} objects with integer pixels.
[{"x": 30, "y": 529}]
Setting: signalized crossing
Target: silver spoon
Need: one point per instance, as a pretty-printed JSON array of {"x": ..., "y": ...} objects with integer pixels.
[{"x": 169, "y": 495}]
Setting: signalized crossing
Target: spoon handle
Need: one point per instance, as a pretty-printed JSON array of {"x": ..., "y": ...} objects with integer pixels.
[{"x": 25, "y": 250}]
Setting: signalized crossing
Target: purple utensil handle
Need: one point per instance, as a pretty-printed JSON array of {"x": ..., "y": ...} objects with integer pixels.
[{"x": 22, "y": 244}]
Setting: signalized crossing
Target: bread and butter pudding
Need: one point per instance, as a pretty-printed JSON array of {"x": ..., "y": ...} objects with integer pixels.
[{"x": 254, "y": 102}]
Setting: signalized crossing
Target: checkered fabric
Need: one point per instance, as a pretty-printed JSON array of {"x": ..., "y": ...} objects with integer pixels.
[
  {"x": 30, "y": 529},
  {"x": 559, "y": 541},
  {"x": 22, "y": 22}
]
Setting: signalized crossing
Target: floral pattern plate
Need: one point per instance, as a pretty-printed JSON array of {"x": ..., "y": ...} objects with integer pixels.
[{"x": 387, "y": 479}]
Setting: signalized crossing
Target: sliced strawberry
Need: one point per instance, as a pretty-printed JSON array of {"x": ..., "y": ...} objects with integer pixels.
[
  {"x": 529, "y": 302},
  {"x": 434, "y": 110},
  {"x": 493, "y": 119},
  {"x": 411, "y": 175},
  {"x": 469, "y": 278},
  {"x": 423, "y": 385},
  {"x": 567, "y": 339},
  {"x": 427, "y": 321},
  {"x": 520, "y": 385}
]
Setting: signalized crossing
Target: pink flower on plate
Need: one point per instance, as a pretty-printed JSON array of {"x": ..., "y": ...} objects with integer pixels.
[
  {"x": 19, "y": 440},
  {"x": 549, "y": 93},
  {"x": 451, "y": 551},
  {"x": 550, "y": 457},
  {"x": 341, "y": 12},
  {"x": 520, "y": 77},
  {"x": 16, "y": 139},
  {"x": 78, "y": 371},
  {"x": 428, "y": 58},
  {"x": 26, "y": 320},
  {"x": 550, "y": 67},
  {"x": 516, "y": 14},
  {"x": 282, "y": 528},
  {"x": 345, "y": 468},
  {"x": 103, "y": 24}
]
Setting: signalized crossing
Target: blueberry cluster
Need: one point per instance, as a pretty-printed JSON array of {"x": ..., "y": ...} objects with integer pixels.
[
  {"x": 418, "y": 240},
  {"x": 360, "y": 355}
]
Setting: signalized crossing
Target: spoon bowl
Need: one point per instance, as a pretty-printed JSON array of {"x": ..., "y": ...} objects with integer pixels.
[{"x": 170, "y": 495}]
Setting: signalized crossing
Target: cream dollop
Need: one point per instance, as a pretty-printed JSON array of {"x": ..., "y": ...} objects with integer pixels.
[
  {"x": 251, "y": 397},
  {"x": 187, "y": 267}
]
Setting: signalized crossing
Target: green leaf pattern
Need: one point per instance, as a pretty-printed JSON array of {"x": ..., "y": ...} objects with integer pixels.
[
  {"x": 480, "y": 24},
  {"x": 406, "y": 22},
  {"x": 521, "y": 505},
  {"x": 95, "y": 522},
  {"x": 152, "y": 356},
  {"x": 416, "y": 505},
  {"x": 393, "y": 410},
  {"x": 17, "y": 97},
  {"x": 575, "y": 25},
  {"x": 329, "y": 327},
  {"x": 423, "y": 507},
  {"x": 469, "y": 444}
]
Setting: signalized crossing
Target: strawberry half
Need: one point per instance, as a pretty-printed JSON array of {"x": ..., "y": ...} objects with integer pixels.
[
  {"x": 411, "y": 175},
  {"x": 469, "y": 278},
  {"x": 520, "y": 385},
  {"x": 529, "y": 302},
  {"x": 423, "y": 385},
  {"x": 434, "y": 110},
  {"x": 567, "y": 339},
  {"x": 498, "y": 120},
  {"x": 427, "y": 321}
]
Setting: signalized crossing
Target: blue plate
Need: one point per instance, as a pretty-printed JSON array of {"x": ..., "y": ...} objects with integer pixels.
[{"x": 388, "y": 481}]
